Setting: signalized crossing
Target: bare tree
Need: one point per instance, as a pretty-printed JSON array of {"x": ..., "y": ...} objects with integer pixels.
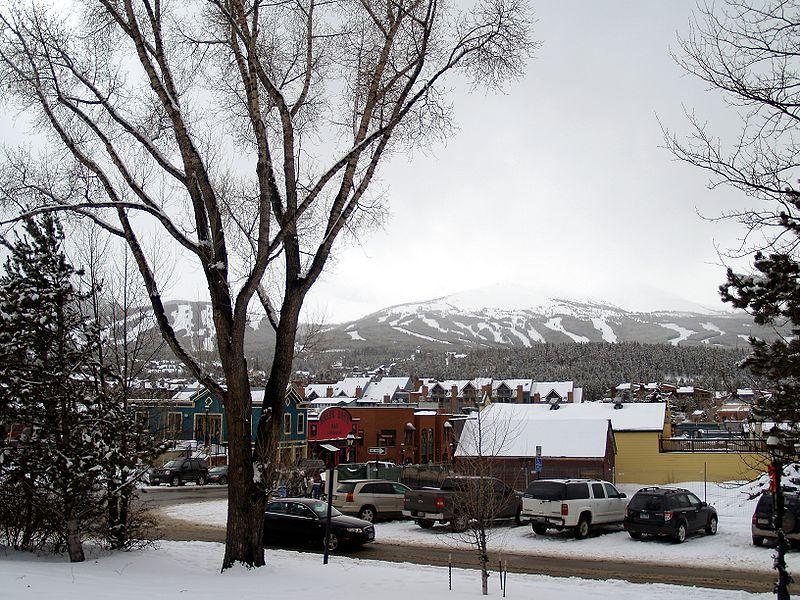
[
  {"x": 249, "y": 132},
  {"x": 483, "y": 498},
  {"x": 749, "y": 53}
]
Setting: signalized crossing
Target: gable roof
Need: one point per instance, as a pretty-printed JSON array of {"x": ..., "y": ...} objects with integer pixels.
[{"x": 376, "y": 390}]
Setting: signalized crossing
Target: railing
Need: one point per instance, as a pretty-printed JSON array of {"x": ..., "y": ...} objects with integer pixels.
[{"x": 734, "y": 444}]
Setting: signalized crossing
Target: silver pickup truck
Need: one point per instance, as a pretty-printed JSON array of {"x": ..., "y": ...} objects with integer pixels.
[{"x": 577, "y": 504}]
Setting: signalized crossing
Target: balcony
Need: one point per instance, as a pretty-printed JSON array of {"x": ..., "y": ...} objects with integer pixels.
[{"x": 722, "y": 445}]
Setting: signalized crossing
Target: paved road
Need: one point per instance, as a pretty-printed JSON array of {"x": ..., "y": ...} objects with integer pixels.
[{"x": 636, "y": 572}]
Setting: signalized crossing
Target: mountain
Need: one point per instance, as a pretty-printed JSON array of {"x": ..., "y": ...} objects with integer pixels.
[
  {"x": 500, "y": 316},
  {"x": 506, "y": 316}
]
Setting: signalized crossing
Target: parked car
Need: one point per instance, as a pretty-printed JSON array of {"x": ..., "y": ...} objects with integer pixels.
[
  {"x": 218, "y": 475},
  {"x": 370, "y": 498},
  {"x": 294, "y": 521},
  {"x": 179, "y": 471},
  {"x": 576, "y": 504},
  {"x": 672, "y": 512},
  {"x": 458, "y": 495},
  {"x": 762, "y": 526}
]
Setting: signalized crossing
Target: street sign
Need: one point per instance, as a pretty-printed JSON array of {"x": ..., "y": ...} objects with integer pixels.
[
  {"x": 376, "y": 450},
  {"x": 537, "y": 464}
]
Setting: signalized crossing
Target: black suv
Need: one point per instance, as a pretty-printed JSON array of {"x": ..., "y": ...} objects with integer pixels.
[
  {"x": 181, "y": 470},
  {"x": 762, "y": 518},
  {"x": 673, "y": 512}
]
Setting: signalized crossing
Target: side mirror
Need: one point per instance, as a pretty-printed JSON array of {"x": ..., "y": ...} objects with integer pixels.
[{"x": 703, "y": 504}]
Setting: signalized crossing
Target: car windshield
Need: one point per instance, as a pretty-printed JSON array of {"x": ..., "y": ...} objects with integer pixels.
[
  {"x": 173, "y": 464},
  {"x": 646, "y": 502},
  {"x": 321, "y": 509},
  {"x": 218, "y": 470}
]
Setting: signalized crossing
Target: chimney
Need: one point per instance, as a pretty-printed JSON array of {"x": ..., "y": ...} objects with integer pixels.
[
  {"x": 329, "y": 392},
  {"x": 520, "y": 395},
  {"x": 416, "y": 383},
  {"x": 413, "y": 397},
  {"x": 387, "y": 399},
  {"x": 424, "y": 392},
  {"x": 359, "y": 392},
  {"x": 537, "y": 399},
  {"x": 454, "y": 399},
  {"x": 570, "y": 397}
]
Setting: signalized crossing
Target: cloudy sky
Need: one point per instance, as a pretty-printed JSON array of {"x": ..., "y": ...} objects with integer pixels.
[{"x": 560, "y": 181}]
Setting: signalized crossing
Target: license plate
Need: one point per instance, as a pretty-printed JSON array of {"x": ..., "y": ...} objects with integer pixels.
[
  {"x": 763, "y": 521},
  {"x": 644, "y": 515}
]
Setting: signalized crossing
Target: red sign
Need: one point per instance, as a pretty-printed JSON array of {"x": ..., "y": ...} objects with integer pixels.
[
  {"x": 334, "y": 423},
  {"x": 773, "y": 477}
]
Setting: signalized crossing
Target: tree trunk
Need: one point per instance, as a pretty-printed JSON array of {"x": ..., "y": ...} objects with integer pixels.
[
  {"x": 243, "y": 539},
  {"x": 74, "y": 546}
]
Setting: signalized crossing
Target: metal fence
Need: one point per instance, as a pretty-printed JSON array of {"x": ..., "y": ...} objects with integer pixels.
[{"x": 734, "y": 444}]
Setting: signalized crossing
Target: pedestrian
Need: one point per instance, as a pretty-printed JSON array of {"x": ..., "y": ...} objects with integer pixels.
[{"x": 309, "y": 486}]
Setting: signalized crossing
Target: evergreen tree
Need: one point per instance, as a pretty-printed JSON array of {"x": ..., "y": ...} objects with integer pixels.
[
  {"x": 772, "y": 296},
  {"x": 69, "y": 457}
]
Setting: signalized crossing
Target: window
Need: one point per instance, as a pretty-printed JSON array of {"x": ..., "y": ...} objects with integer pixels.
[
  {"x": 576, "y": 491},
  {"x": 174, "y": 424},
  {"x": 387, "y": 437},
  {"x": 611, "y": 491},
  {"x": 301, "y": 423},
  {"x": 287, "y": 424},
  {"x": 597, "y": 490}
]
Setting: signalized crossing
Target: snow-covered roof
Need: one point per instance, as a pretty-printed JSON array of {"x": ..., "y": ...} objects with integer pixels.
[
  {"x": 424, "y": 413},
  {"x": 513, "y": 383},
  {"x": 331, "y": 401},
  {"x": 685, "y": 389},
  {"x": 559, "y": 438},
  {"x": 633, "y": 416},
  {"x": 187, "y": 392},
  {"x": 388, "y": 386},
  {"x": 320, "y": 389},
  {"x": 347, "y": 386},
  {"x": 543, "y": 388}
]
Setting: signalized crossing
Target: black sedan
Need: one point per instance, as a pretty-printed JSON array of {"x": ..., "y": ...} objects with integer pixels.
[
  {"x": 297, "y": 521},
  {"x": 218, "y": 475}
]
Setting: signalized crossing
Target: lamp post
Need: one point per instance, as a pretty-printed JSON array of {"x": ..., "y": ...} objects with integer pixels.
[
  {"x": 350, "y": 441},
  {"x": 448, "y": 439},
  {"x": 776, "y": 471},
  {"x": 208, "y": 433},
  {"x": 402, "y": 453}
]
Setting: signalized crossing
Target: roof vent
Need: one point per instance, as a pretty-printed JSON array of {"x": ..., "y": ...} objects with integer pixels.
[{"x": 617, "y": 405}]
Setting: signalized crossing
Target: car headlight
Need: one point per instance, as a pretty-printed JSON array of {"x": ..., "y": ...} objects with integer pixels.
[{"x": 354, "y": 530}]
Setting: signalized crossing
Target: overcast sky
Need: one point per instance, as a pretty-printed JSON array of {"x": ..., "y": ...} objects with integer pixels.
[{"x": 560, "y": 181}]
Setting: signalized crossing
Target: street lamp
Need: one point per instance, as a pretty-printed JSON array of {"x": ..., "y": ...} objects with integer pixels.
[
  {"x": 776, "y": 452},
  {"x": 350, "y": 441},
  {"x": 402, "y": 453}
]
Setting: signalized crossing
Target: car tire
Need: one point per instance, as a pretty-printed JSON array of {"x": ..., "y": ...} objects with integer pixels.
[
  {"x": 201, "y": 480},
  {"x": 679, "y": 536},
  {"x": 368, "y": 513},
  {"x": 539, "y": 529},
  {"x": 582, "y": 528},
  {"x": 459, "y": 522},
  {"x": 758, "y": 540},
  {"x": 425, "y": 523},
  {"x": 175, "y": 481},
  {"x": 637, "y": 535},
  {"x": 333, "y": 542},
  {"x": 711, "y": 528},
  {"x": 518, "y": 517},
  {"x": 223, "y": 480},
  {"x": 789, "y": 521}
]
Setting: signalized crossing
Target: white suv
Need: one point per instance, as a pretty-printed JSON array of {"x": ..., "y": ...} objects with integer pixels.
[{"x": 572, "y": 503}]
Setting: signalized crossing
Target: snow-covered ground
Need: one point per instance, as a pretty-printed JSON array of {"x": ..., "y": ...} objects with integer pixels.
[
  {"x": 191, "y": 570},
  {"x": 731, "y": 548}
]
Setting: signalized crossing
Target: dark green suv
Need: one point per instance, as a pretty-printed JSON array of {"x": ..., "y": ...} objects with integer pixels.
[{"x": 672, "y": 512}]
